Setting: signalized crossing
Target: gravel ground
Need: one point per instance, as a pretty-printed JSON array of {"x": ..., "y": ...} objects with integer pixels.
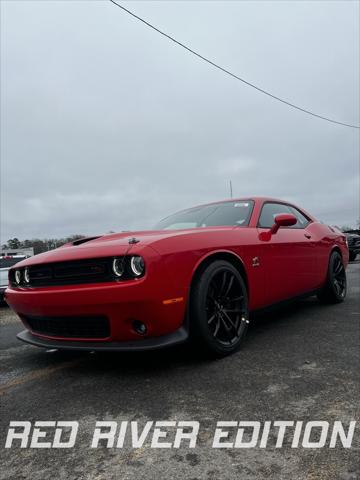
[{"x": 299, "y": 363}]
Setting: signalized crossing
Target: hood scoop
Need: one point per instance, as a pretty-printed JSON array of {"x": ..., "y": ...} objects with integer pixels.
[{"x": 84, "y": 240}]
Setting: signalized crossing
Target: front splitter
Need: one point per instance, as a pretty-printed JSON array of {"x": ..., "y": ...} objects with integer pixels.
[{"x": 154, "y": 343}]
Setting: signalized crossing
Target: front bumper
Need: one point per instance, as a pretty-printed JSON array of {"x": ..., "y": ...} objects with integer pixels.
[
  {"x": 121, "y": 303},
  {"x": 153, "y": 343}
]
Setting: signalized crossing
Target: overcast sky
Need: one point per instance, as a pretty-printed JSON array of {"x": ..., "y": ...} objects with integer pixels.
[{"x": 106, "y": 125}]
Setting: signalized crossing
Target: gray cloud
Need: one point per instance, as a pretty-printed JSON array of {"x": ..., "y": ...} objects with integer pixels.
[{"x": 107, "y": 126}]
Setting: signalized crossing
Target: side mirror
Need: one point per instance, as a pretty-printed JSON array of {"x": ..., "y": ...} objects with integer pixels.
[{"x": 283, "y": 220}]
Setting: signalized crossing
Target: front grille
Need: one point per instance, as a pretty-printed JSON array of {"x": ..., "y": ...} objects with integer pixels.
[
  {"x": 70, "y": 327},
  {"x": 78, "y": 271},
  {"x": 72, "y": 272},
  {"x": 354, "y": 242}
]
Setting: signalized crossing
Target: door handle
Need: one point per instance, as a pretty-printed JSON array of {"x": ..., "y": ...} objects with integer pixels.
[{"x": 307, "y": 235}]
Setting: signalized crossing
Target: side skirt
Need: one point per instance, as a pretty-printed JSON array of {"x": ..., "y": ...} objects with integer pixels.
[{"x": 284, "y": 303}]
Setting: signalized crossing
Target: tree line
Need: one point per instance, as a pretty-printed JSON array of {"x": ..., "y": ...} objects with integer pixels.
[{"x": 40, "y": 245}]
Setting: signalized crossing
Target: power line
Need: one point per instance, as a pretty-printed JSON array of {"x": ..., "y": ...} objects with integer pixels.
[{"x": 230, "y": 73}]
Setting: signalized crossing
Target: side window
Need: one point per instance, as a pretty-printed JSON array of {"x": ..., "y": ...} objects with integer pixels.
[
  {"x": 302, "y": 221},
  {"x": 269, "y": 212}
]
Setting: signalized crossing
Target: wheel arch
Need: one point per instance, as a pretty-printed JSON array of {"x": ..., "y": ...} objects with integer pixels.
[
  {"x": 226, "y": 255},
  {"x": 337, "y": 249}
]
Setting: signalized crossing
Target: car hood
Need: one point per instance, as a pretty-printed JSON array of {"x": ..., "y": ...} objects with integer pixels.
[{"x": 115, "y": 244}]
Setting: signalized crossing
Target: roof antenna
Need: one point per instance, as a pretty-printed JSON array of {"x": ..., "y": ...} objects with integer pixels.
[{"x": 231, "y": 192}]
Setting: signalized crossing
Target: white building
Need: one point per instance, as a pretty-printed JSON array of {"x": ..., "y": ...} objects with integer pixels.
[{"x": 10, "y": 252}]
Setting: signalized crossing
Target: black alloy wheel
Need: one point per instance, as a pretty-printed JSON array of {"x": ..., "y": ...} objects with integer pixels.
[
  {"x": 219, "y": 308},
  {"x": 225, "y": 307},
  {"x": 334, "y": 290},
  {"x": 339, "y": 276}
]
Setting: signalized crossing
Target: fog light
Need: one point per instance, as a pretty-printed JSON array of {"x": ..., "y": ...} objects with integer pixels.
[{"x": 139, "y": 327}]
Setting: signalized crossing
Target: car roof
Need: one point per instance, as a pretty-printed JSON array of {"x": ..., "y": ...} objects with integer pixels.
[
  {"x": 257, "y": 200},
  {"x": 243, "y": 199}
]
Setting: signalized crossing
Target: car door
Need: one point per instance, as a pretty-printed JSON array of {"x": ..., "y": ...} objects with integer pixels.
[{"x": 287, "y": 256}]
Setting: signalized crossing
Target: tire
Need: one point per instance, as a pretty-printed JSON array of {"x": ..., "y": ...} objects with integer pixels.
[
  {"x": 334, "y": 290},
  {"x": 352, "y": 256},
  {"x": 219, "y": 314}
]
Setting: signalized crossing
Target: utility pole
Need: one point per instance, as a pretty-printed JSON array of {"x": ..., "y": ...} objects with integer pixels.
[{"x": 231, "y": 192}]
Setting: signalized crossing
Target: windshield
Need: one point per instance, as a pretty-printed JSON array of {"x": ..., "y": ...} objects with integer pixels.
[{"x": 235, "y": 213}]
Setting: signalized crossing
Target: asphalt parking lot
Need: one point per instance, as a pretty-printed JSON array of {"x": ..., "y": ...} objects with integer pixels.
[{"x": 299, "y": 363}]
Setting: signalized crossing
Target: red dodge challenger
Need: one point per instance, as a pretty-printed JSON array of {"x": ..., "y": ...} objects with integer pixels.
[{"x": 197, "y": 275}]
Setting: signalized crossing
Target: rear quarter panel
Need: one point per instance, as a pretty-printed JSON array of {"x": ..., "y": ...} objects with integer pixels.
[{"x": 327, "y": 239}]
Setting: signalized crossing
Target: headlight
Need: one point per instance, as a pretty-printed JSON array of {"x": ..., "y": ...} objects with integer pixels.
[
  {"x": 118, "y": 266},
  {"x": 26, "y": 275},
  {"x": 17, "y": 277},
  {"x": 137, "y": 266}
]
